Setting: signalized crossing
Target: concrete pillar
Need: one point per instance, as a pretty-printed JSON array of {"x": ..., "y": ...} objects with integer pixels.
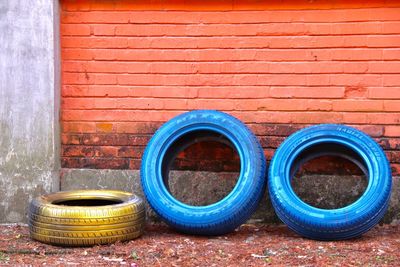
[{"x": 29, "y": 104}]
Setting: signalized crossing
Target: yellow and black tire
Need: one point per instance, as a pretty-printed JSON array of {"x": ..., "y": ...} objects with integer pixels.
[{"x": 86, "y": 217}]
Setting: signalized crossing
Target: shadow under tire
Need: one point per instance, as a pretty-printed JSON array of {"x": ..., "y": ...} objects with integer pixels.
[
  {"x": 330, "y": 224},
  {"x": 175, "y": 135},
  {"x": 86, "y": 217}
]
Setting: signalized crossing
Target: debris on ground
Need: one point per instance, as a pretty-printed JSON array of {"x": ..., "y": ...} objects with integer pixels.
[{"x": 250, "y": 245}]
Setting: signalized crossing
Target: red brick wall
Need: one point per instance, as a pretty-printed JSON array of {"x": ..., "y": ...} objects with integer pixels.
[{"x": 129, "y": 66}]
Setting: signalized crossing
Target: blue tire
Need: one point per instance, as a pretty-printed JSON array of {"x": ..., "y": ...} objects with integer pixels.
[
  {"x": 177, "y": 134},
  {"x": 330, "y": 224}
]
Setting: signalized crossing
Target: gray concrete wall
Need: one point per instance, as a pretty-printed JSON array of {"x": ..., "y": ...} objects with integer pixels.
[
  {"x": 200, "y": 188},
  {"x": 29, "y": 104}
]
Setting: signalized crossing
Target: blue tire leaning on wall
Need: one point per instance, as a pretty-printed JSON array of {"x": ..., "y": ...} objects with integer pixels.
[
  {"x": 330, "y": 224},
  {"x": 179, "y": 133}
]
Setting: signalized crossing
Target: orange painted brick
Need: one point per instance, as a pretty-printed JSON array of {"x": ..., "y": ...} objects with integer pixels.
[
  {"x": 372, "y": 130},
  {"x": 104, "y": 30},
  {"x": 357, "y": 80},
  {"x": 390, "y": 27},
  {"x": 235, "y": 92},
  {"x": 137, "y": 127},
  {"x": 283, "y": 105},
  {"x": 217, "y": 104},
  {"x": 80, "y": 54},
  {"x": 140, "y": 103},
  {"x": 105, "y": 151},
  {"x": 85, "y": 78},
  {"x": 78, "y": 127},
  {"x": 356, "y": 67},
  {"x": 357, "y": 54},
  {"x": 383, "y": 118},
  {"x": 384, "y": 92},
  {"x": 384, "y": 67},
  {"x": 93, "y": 42},
  {"x": 355, "y": 117},
  {"x": 392, "y": 131},
  {"x": 356, "y": 91},
  {"x": 391, "y": 54},
  {"x": 351, "y": 28},
  {"x": 357, "y": 105},
  {"x": 104, "y": 127},
  {"x": 75, "y": 30},
  {"x": 391, "y": 105},
  {"x": 117, "y": 115},
  {"x": 307, "y": 92},
  {"x": 96, "y": 17},
  {"x": 391, "y": 79}
]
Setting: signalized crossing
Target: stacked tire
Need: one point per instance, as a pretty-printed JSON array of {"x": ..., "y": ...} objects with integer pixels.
[{"x": 86, "y": 217}]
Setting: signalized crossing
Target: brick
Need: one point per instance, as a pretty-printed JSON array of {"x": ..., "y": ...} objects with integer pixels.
[
  {"x": 283, "y": 105},
  {"x": 390, "y": 27},
  {"x": 389, "y": 143},
  {"x": 391, "y": 80},
  {"x": 393, "y": 156},
  {"x": 75, "y": 30},
  {"x": 357, "y": 105},
  {"x": 104, "y": 30},
  {"x": 93, "y": 42},
  {"x": 392, "y": 131},
  {"x": 383, "y": 118},
  {"x": 70, "y": 78},
  {"x": 89, "y": 103},
  {"x": 104, "y": 127},
  {"x": 233, "y": 92},
  {"x": 384, "y": 67},
  {"x": 106, "y": 151},
  {"x": 307, "y": 92},
  {"x": 395, "y": 167},
  {"x": 77, "y": 151},
  {"x": 274, "y": 129},
  {"x": 384, "y": 92},
  {"x": 95, "y": 163},
  {"x": 211, "y": 104},
  {"x": 130, "y": 152},
  {"x": 391, "y": 105},
  {"x": 137, "y": 127},
  {"x": 372, "y": 130},
  {"x": 71, "y": 139},
  {"x": 96, "y": 17},
  {"x": 80, "y": 54},
  {"x": 78, "y": 127},
  {"x": 391, "y": 54},
  {"x": 357, "y": 54},
  {"x": 134, "y": 164}
]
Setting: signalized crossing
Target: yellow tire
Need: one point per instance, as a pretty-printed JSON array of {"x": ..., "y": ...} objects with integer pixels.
[{"x": 86, "y": 217}]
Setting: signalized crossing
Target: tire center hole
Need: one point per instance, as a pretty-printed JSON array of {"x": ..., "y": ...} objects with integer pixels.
[
  {"x": 87, "y": 202},
  {"x": 201, "y": 168},
  {"x": 329, "y": 176}
]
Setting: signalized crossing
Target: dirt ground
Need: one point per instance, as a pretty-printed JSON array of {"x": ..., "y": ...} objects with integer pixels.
[{"x": 250, "y": 245}]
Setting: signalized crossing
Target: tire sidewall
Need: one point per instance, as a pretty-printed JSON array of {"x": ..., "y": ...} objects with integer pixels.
[
  {"x": 178, "y": 213},
  {"x": 292, "y": 210}
]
